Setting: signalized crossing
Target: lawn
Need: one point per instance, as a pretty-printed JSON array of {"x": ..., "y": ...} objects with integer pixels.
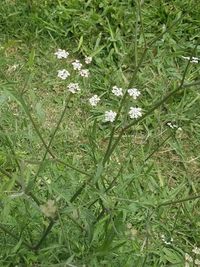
[{"x": 99, "y": 133}]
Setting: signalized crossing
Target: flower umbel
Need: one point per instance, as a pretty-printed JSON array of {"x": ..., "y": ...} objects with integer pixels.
[
  {"x": 84, "y": 73},
  {"x": 188, "y": 258},
  {"x": 88, "y": 60},
  {"x": 49, "y": 208},
  {"x": 94, "y": 100},
  {"x": 117, "y": 91},
  {"x": 192, "y": 60},
  {"x": 63, "y": 74},
  {"x": 76, "y": 65},
  {"x": 134, "y": 92},
  {"x": 61, "y": 54},
  {"x": 73, "y": 88},
  {"x": 196, "y": 251},
  {"x": 110, "y": 116},
  {"x": 135, "y": 113}
]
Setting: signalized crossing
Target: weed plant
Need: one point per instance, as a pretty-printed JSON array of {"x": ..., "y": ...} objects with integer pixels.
[{"x": 99, "y": 133}]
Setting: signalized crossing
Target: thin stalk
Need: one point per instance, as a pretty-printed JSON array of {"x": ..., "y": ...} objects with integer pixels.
[
  {"x": 177, "y": 201},
  {"x": 146, "y": 48},
  {"x": 52, "y": 137},
  {"x": 141, "y": 21},
  {"x": 157, "y": 148},
  {"x": 45, "y": 234},
  {"x": 42, "y": 139},
  {"x": 158, "y": 104},
  {"x": 136, "y": 34}
]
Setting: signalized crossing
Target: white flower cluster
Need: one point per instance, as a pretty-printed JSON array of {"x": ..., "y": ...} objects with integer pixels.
[
  {"x": 84, "y": 73},
  {"x": 135, "y": 113},
  {"x": 77, "y": 65},
  {"x": 192, "y": 60},
  {"x": 63, "y": 74},
  {"x": 174, "y": 126},
  {"x": 134, "y": 92},
  {"x": 117, "y": 91},
  {"x": 196, "y": 251},
  {"x": 73, "y": 88},
  {"x": 61, "y": 53},
  {"x": 110, "y": 116},
  {"x": 167, "y": 242},
  {"x": 189, "y": 259},
  {"x": 88, "y": 60},
  {"x": 94, "y": 100}
]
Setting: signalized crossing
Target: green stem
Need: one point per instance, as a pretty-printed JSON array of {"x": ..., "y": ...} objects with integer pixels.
[
  {"x": 157, "y": 148},
  {"x": 42, "y": 139},
  {"x": 52, "y": 137},
  {"x": 147, "y": 47},
  {"x": 45, "y": 234},
  {"x": 158, "y": 104},
  {"x": 177, "y": 201}
]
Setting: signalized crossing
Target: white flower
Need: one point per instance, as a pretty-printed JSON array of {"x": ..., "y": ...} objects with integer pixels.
[
  {"x": 188, "y": 257},
  {"x": 110, "y": 116},
  {"x": 172, "y": 125},
  {"x": 192, "y": 60},
  {"x": 61, "y": 54},
  {"x": 88, "y": 60},
  {"x": 196, "y": 250},
  {"x": 73, "y": 88},
  {"x": 84, "y": 73},
  {"x": 94, "y": 100},
  {"x": 134, "y": 92},
  {"x": 135, "y": 113},
  {"x": 63, "y": 74},
  {"x": 13, "y": 67},
  {"x": 167, "y": 242},
  {"x": 76, "y": 65},
  {"x": 117, "y": 91},
  {"x": 49, "y": 208},
  {"x": 197, "y": 262}
]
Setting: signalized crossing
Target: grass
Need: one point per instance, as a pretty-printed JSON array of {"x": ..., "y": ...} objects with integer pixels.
[{"x": 133, "y": 203}]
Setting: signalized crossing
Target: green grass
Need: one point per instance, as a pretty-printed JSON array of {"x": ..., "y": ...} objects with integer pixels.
[{"x": 110, "y": 212}]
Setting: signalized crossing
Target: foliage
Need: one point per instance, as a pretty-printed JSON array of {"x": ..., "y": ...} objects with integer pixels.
[{"x": 75, "y": 190}]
